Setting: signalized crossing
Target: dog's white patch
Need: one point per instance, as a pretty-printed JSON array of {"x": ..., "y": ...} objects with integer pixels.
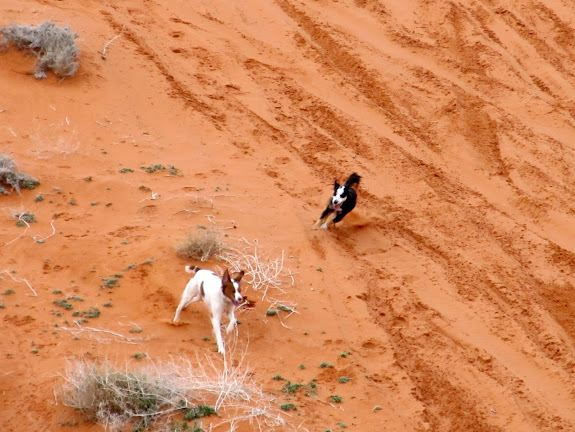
[
  {"x": 237, "y": 294},
  {"x": 338, "y": 199}
]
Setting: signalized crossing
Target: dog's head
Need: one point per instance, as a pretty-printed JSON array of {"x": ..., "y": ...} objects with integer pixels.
[
  {"x": 231, "y": 286},
  {"x": 340, "y": 194}
]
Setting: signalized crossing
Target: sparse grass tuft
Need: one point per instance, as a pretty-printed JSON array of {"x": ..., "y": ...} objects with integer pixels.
[
  {"x": 201, "y": 245},
  {"x": 54, "y": 46},
  {"x": 153, "y": 168},
  {"x": 93, "y": 312},
  {"x": 110, "y": 282},
  {"x": 63, "y": 303},
  {"x": 10, "y": 179},
  {"x": 290, "y": 387}
]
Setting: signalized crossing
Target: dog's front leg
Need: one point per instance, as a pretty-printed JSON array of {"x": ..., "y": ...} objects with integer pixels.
[
  {"x": 216, "y": 324},
  {"x": 232, "y": 324}
]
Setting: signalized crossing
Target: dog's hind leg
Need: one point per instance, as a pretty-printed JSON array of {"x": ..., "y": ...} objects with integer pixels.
[
  {"x": 184, "y": 302},
  {"x": 181, "y": 306}
]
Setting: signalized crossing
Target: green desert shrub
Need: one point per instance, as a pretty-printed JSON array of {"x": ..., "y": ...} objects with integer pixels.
[
  {"x": 54, "y": 46},
  {"x": 11, "y": 179}
]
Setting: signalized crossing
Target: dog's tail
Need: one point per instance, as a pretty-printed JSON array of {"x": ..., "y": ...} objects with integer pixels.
[
  {"x": 193, "y": 270},
  {"x": 353, "y": 180}
]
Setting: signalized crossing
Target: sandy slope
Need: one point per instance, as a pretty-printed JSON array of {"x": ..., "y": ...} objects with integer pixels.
[{"x": 451, "y": 286}]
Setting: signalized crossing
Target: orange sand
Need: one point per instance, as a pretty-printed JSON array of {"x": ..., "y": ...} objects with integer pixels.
[{"x": 451, "y": 285}]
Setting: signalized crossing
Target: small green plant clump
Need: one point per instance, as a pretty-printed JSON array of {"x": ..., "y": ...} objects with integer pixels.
[
  {"x": 54, "y": 46},
  {"x": 25, "y": 218},
  {"x": 288, "y": 407},
  {"x": 199, "y": 411},
  {"x": 290, "y": 387},
  {"x": 110, "y": 282},
  {"x": 63, "y": 303},
  {"x": 293, "y": 388},
  {"x": 159, "y": 167},
  {"x": 93, "y": 312}
]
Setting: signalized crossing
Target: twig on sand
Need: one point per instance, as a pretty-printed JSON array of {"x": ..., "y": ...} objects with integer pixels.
[
  {"x": 105, "y": 50},
  {"x": 21, "y": 219},
  {"x": 19, "y": 280},
  {"x": 282, "y": 306},
  {"x": 211, "y": 218},
  {"x": 42, "y": 240},
  {"x": 92, "y": 330}
]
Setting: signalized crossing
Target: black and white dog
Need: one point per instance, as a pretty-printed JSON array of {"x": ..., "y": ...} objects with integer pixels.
[{"x": 341, "y": 203}]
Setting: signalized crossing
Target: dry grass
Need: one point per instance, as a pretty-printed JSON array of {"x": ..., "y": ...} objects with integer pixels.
[
  {"x": 157, "y": 393},
  {"x": 11, "y": 179},
  {"x": 262, "y": 272},
  {"x": 201, "y": 245},
  {"x": 54, "y": 46}
]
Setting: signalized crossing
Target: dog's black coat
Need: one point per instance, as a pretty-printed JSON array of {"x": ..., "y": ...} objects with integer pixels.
[{"x": 343, "y": 200}]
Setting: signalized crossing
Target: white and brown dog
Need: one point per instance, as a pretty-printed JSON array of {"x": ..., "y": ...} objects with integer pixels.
[{"x": 219, "y": 294}]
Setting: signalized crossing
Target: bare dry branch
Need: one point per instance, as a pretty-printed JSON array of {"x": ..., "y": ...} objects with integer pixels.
[
  {"x": 105, "y": 50},
  {"x": 20, "y": 281}
]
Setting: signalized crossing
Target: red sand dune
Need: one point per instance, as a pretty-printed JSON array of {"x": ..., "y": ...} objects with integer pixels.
[{"x": 451, "y": 285}]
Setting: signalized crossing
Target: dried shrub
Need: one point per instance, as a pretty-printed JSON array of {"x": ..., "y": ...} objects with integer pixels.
[
  {"x": 54, "y": 46},
  {"x": 152, "y": 394},
  {"x": 202, "y": 245},
  {"x": 262, "y": 271},
  {"x": 11, "y": 180}
]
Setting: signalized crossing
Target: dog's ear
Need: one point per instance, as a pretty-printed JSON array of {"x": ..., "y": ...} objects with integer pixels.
[
  {"x": 336, "y": 185},
  {"x": 239, "y": 275},
  {"x": 226, "y": 276},
  {"x": 227, "y": 283}
]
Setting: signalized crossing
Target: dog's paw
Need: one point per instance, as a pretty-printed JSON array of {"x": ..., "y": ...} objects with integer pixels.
[{"x": 176, "y": 323}]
